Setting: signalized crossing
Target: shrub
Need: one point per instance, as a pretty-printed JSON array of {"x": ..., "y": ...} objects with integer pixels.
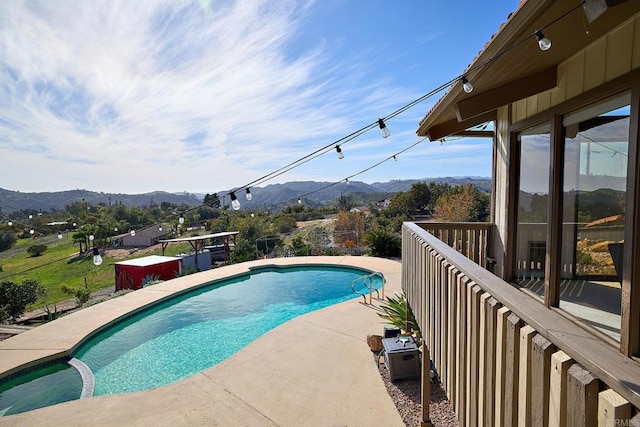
[
  {"x": 398, "y": 313},
  {"x": 383, "y": 242},
  {"x": 150, "y": 280},
  {"x": 244, "y": 251},
  {"x": 36, "y": 250},
  {"x": 15, "y": 297},
  {"x": 7, "y": 239},
  {"x": 82, "y": 294}
]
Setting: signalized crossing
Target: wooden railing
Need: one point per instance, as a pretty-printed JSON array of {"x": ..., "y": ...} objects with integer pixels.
[
  {"x": 503, "y": 357},
  {"x": 472, "y": 239}
]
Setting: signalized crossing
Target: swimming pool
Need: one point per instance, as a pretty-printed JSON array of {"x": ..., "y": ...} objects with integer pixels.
[{"x": 194, "y": 331}]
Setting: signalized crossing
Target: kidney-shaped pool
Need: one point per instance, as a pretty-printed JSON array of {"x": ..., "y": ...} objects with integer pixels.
[{"x": 188, "y": 333}]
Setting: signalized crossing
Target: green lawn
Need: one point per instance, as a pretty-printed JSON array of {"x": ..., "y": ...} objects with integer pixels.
[{"x": 59, "y": 265}]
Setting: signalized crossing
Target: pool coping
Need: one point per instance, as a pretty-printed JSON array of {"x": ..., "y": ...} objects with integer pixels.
[{"x": 340, "y": 329}]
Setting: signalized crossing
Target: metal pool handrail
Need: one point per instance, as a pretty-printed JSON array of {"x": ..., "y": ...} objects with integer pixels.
[{"x": 367, "y": 281}]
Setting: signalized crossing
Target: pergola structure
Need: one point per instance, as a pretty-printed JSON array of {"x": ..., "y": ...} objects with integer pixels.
[{"x": 199, "y": 243}]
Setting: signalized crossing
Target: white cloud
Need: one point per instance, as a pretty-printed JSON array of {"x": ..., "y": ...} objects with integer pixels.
[{"x": 134, "y": 96}]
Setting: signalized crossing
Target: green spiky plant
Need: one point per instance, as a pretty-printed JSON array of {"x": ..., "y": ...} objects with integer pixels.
[{"x": 398, "y": 313}]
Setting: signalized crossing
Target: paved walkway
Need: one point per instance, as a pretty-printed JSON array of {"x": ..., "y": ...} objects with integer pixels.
[{"x": 315, "y": 370}]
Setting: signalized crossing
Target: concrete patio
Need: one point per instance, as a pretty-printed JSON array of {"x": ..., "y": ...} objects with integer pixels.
[{"x": 315, "y": 370}]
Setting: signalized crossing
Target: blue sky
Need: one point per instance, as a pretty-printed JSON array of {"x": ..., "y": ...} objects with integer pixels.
[{"x": 204, "y": 96}]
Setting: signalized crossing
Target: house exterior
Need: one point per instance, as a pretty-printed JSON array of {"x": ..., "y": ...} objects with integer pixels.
[
  {"x": 534, "y": 318},
  {"x": 144, "y": 237},
  {"x": 384, "y": 203}
]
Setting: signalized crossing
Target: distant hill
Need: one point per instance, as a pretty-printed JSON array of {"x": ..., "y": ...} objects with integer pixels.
[
  {"x": 16, "y": 200},
  {"x": 322, "y": 193}
]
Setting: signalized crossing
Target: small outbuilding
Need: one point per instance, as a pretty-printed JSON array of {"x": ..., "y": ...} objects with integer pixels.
[{"x": 130, "y": 274}]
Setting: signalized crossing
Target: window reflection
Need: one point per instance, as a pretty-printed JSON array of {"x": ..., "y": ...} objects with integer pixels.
[
  {"x": 594, "y": 190},
  {"x": 533, "y": 201}
]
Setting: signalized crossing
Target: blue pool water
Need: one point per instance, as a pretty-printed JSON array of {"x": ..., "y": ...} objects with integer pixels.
[
  {"x": 185, "y": 334},
  {"x": 55, "y": 383},
  {"x": 193, "y": 332}
]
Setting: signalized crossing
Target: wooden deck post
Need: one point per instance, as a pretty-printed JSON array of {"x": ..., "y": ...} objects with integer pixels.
[
  {"x": 524, "y": 376},
  {"x": 560, "y": 364},
  {"x": 501, "y": 364},
  {"x": 582, "y": 397},
  {"x": 425, "y": 421},
  {"x": 541, "y": 352},
  {"x": 511, "y": 372}
]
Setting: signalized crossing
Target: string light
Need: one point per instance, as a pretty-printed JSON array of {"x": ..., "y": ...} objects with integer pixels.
[
  {"x": 97, "y": 259},
  {"x": 383, "y": 128},
  {"x": 543, "y": 42},
  {"x": 362, "y": 171},
  {"x": 249, "y": 195},
  {"x": 299, "y": 201},
  {"x": 466, "y": 85},
  {"x": 181, "y": 220},
  {"x": 340, "y": 153},
  {"x": 59, "y": 235},
  {"x": 235, "y": 204},
  {"x": 133, "y": 233}
]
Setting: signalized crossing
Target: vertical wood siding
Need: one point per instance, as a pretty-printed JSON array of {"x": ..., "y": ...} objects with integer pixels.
[{"x": 609, "y": 57}]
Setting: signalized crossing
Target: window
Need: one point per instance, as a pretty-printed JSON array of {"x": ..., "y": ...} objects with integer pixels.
[
  {"x": 596, "y": 147},
  {"x": 533, "y": 201}
]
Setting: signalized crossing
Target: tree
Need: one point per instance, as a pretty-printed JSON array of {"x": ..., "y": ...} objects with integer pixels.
[
  {"x": 345, "y": 202},
  {"x": 15, "y": 297},
  {"x": 463, "y": 204},
  {"x": 212, "y": 200},
  {"x": 7, "y": 239},
  {"x": 349, "y": 228},
  {"x": 80, "y": 238}
]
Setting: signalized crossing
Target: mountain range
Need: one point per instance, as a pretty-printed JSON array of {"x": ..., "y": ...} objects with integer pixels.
[{"x": 273, "y": 195}]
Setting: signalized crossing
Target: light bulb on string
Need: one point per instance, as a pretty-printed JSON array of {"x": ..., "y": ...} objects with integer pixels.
[
  {"x": 383, "y": 128},
  {"x": 74, "y": 224},
  {"x": 543, "y": 42},
  {"x": 10, "y": 223},
  {"x": 248, "y": 194},
  {"x": 30, "y": 216},
  {"x": 252, "y": 215},
  {"x": 59, "y": 235},
  {"x": 32, "y": 231},
  {"x": 115, "y": 229},
  {"x": 340, "y": 153},
  {"x": 160, "y": 228},
  {"x": 299, "y": 201},
  {"x": 91, "y": 237},
  {"x": 466, "y": 85},
  {"x": 235, "y": 204},
  {"x": 181, "y": 219},
  {"x": 133, "y": 233},
  {"x": 97, "y": 259}
]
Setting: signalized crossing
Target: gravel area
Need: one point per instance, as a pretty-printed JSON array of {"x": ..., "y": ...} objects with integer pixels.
[{"x": 406, "y": 396}]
